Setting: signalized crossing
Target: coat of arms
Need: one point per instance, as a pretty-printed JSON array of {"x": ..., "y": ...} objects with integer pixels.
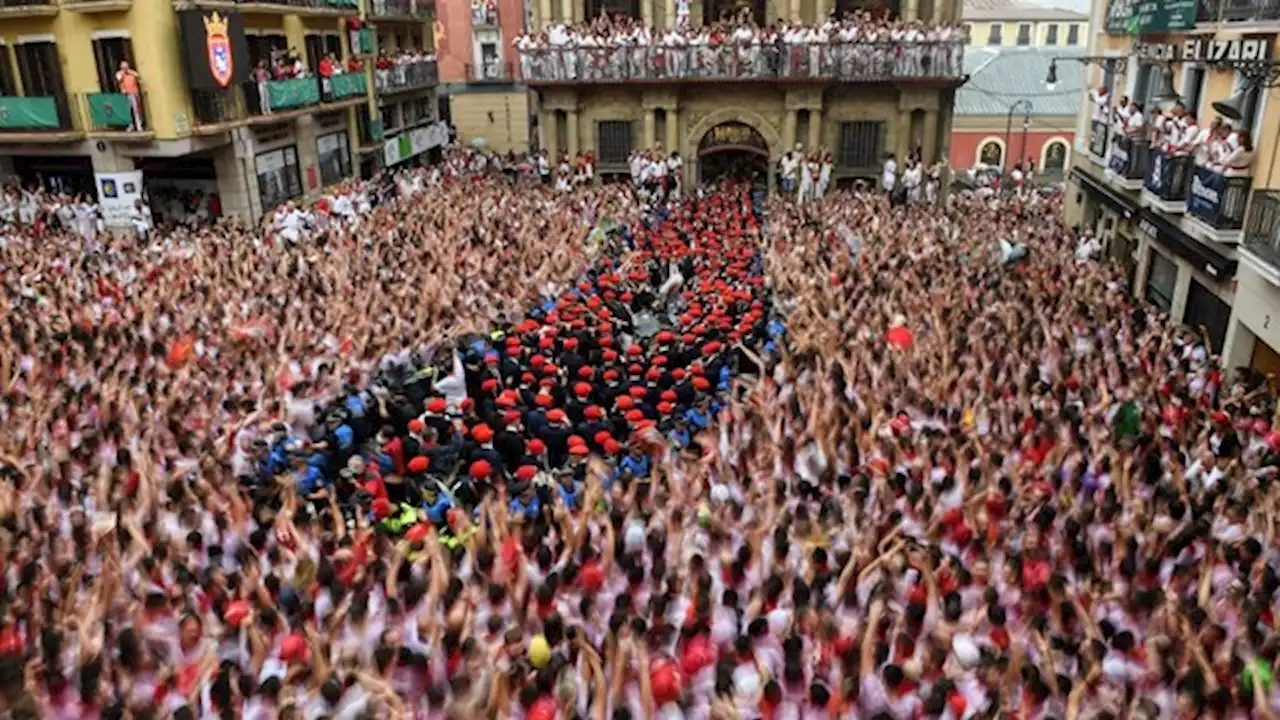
[{"x": 218, "y": 49}]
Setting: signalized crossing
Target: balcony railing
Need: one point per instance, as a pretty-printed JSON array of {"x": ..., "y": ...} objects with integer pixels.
[
  {"x": 406, "y": 76},
  {"x": 1130, "y": 158},
  {"x": 493, "y": 71},
  {"x": 343, "y": 5},
  {"x": 1170, "y": 176},
  {"x": 847, "y": 62},
  {"x": 38, "y": 113},
  {"x": 1238, "y": 11},
  {"x": 1218, "y": 200},
  {"x": 343, "y": 86},
  {"x": 1099, "y": 132},
  {"x": 117, "y": 112},
  {"x": 398, "y": 8},
  {"x": 1262, "y": 232},
  {"x": 484, "y": 13},
  {"x": 27, "y": 5}
]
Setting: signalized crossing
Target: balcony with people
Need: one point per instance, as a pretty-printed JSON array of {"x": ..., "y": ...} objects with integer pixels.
[
  {"x": 1129, "y": 158},
  {"x": 619, "y": 49},
  {"x": 1221, "y": 180},
  {"x": 404, "y": 70},
  {"x": 289, "y": 7},
  {"x": 408, "y": 10},
  {"x": 1173, "y": 135},
  {"x": 279, "y": 89}
]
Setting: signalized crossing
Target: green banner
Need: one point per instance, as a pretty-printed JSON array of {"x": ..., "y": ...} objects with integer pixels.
[
  {"x": 376, "y": 130},
  {"x": 405, "y": 144},
  {"x": 295, "y": 93},
  {"x": 1150, "y": 17},
  {"x": 28, "y": 113},
  {"x": 347, "y": 85},
  {"x": 111, "y": 110},
  {"x": 368, "y": 41}
]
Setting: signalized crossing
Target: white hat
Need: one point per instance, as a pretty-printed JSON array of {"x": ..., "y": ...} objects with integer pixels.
[
  {"x": 633, "y": 539},
  {"x": 719, "y": 493}
]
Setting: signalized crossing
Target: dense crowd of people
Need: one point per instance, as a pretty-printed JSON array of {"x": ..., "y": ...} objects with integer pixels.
[
  {"x": 860, "y": 45},
  {"x": 484, "y": 449}
]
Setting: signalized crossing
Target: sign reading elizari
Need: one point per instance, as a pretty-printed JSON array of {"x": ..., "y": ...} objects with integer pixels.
[
  {"x": 215, "y": 53},
  {"x": 1207, "y": 49}
]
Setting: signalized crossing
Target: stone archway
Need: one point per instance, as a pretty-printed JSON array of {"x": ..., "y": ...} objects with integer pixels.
[
  {"x": 733, "y": 150},
  {"x": 729, "y": 115}
]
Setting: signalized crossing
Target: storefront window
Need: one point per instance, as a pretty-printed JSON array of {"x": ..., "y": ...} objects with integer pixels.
[
  {"x": 1162, "y": 275},
  {"x": 279, "y": 178},
  {"x": 334, "y": 153}
]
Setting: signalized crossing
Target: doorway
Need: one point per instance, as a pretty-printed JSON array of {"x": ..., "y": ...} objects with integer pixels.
[{"x": 733, "y": 151}]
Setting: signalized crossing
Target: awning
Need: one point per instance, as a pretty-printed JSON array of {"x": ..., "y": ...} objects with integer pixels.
[
  {"x": 1200, "y": 255},
  {"x": 1121, "y": 203}
]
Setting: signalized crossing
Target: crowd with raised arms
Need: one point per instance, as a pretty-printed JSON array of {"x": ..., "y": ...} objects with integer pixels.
[
  {"x": 859, "y": 45},
  {"x": 485, "y": 449}
]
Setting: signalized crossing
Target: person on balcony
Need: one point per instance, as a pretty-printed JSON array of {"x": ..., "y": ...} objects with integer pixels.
[
  {"x": 1135, "y": 123},
  {"x": 1188, "y": 133},
  {"x": 127, "y": 82},
  {"x": 326, "y": 68},
  {"x": 261, "y": 75},
  {"x": 1237, "y": 160},
  {"x": 1101, "y": 98}
]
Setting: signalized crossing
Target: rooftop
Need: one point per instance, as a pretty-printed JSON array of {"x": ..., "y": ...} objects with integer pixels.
[
  {"x": 998, "y": 77},
  {"x": 1018, "y": 10}
]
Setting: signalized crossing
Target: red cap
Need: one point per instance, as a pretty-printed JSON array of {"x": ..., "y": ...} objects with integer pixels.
[
  {"x": 293, "y": 648},
  {"x": 586, "y": 372},
  {"x": 556, "y": 416},
  {"x": 437, "y": 405},
  {"x": 591, "y": 577},
  {"x": 535, "y": 447},
  {"x": 579, "y": 450},
  {"x": 481, "y": 469},
  {"x": 634, "y": 350},
  {"x": 602, "y": 437},
  {"x": 381, "y": 508},
  {"x": 701, "y": 383},
  {"x": 419, "y": 464},
  {"x": 665, "y": 408},
  {"x": 593, "y": 412},
  {"x": 482, "y": 433},
  {"x": 613, "y": 447},
  {"x": 416, "y": 425},
  {"x": 489, "y": 385},
  {"x": 526, "y": 472},
  {"x": 636, "y": 391},
  {"x": 625, "y": 402},
  {"x": 544, "y": 400},
  {"x": 417, "y": 533},
  {"x": 582, "y": 389},
  {"x": 634, "y": 415}
]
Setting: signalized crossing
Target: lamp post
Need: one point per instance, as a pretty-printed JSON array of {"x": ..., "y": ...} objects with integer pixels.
[{"x": 1026, "y": 107}]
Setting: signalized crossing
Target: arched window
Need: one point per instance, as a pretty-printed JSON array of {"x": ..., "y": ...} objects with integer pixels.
[
  {"x": 1055, "y": 156},
  {"x": 991, "y": 152}
]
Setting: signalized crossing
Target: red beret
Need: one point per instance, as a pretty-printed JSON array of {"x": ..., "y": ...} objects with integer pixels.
[
  {"x": 586, "y": 372},
  {"x": 549, "y": 369},
  {"x": 666, "y": 336},
  {"x": 701, "y": 383},
  {"x": 635, "y": 369},
  {"x": 594, "y": 412},
  {"x": 482, "y": 433},
  {"x": 634, "y": 415},
  {"x": 613, "y": 447},
  {"x": 437, "y": 405},
  {"x": 665, "y": 407},
  {"x": 419, "y": 464},
  {"x": 490, "y": 359},
  {"x": 711, "y": 348},
  {"x": 610, "y": 374},
  {"x": 607, "y": 341},
  {"x": 634, "y": 350},
  {"x": 556, "y": 416},
  {"x": 570, "y": 343},
  {"x": 511, "y": 416},
  {"x": 669, "y": 395},
  {"x": 579, "y": 450},
  {"x": 653, "y": 374},
  {"x": 544, "y": 400},
  {"x": 489, "y": 385},
  {"x": 526, "y": 472},
  {"x": 625, "y": 402},
  {"x": 575, "y": 440},
  {"x": 381, "y": 508},
  {"x": 537, "y": 360},
  {"x": 602, "y": 437},
  {"x": 636, "y": 391},
  {"x": 480, "y": 469},
  {"x": 610, "y": 356},
  {"x": 467, "y": 404},
  {"x": 416, "y": 425},
  {"x": 582, "y": 389},
  {"x": 513, "y": 351},
  {"x": 527, "y": 377},
  {"x": 660, "y": 361},
  {"x": 678, "y": 373}
]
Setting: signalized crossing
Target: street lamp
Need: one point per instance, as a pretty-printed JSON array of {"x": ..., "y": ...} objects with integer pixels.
[
  {"x": 1026, "y": 107},
  {"x": 1113, "y": 64}
]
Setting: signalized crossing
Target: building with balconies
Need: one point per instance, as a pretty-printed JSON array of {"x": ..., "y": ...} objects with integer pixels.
[
  {"x": 1184, "y": 194},
  {"x": 739, "y": 107},
  {"x": 487, "y": 103},
  {"x": 174, "y": 98}
]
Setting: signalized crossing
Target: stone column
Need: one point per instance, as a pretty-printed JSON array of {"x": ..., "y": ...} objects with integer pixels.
[
  {"x": 572, "y": 132},
  {"x": 670, "y": 13},
  {"x": 823, "y": 10},
  {"x": 929, "y": 147},
  {"x": 902, "y": 140},
  {"x": 650, "y": 128},
  {"x": 673, "y": 130},
  {"x": 549, "y": 136},
  {"x": 788, "y": 130},
  {"x": 566, "y": 10},
  {"x": 773, "y": 175},
  {"x": 910, "y": 10},
  {"x": 646, "y": 12},
  {"x": 815, "y": 129},
  {"x": 544, "y": 12},
  {"x": 795, "y": 10}
]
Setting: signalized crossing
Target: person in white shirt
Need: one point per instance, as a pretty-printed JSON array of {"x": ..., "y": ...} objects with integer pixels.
[
  {"x": 824, "y": 174},
  {"x": 912, "y": 179},
  {"x": 789, "y": 165},
  {"x": 674, "y": 173},
  {"x": 806, "y": 179},
  {"x": 1101, "y": 98},
  {"x": 141, "y": 219},
  {"x": 889, "y": 174}
]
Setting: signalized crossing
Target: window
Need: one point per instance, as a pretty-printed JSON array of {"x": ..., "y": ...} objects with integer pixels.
[
  {"x": 7, "y": 84},
  {"x": 390, "y": 117},
  {"x": 993, "y": 34},
  {"x": 334, "y": 154},
  {"x": 1162, "y": 275},
  {"x": 107, "y": 54},
  {"x": 859, "y": 145},
  {"x": 1073, "y": 34},
  {"x": 1206, "y": 309},
  {"x": 991, "y": 154},
  {"x": 263, "y": 47},
  {"x": 1024, "y": 34},
  {"x": 1051, "y": 35},
  {"x": 1192, "y": 87},
  {"x": 422, "y": 108},
  {"x": 315, "y": 51},
  {"x": 40, "y": 69},
  {"x": 333, "y": 44},
  {"x": 614, "y": 139},
  {"x": 490, "y": 61},
  {"x": 968, "y": 30},
  {"x": 1055, "y": 157},
  {"x": 278, "y": 177}
]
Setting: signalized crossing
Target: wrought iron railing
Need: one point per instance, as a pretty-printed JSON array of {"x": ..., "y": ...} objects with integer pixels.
[
  {"x": 1238, "y": 11},
  {"x": 1218, "y": 200},
  {"x": 850, "y": 62},
  {"x": 398, "y": 8},
  {"x": 493, "y": 71},
  {"x": 406, "y": 76},
  {"x": 1262, "y": 230},
  {"x": 1170, "y": 176},
  {"x": 1130, "y": 158}
]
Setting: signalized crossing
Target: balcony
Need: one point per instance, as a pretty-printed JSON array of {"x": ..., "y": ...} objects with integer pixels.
[
  {"x": 27, "y": 8},
  {"x": 217, "y": 111},
  {"x": 1238, "y": 11},
  {"x": 1169, "y": 182},
  {"x": 409, "y": 10},
  {"x": 1216, "y": 204},
  {"x": 88, "y": 7},
  {"x": 118, "y": 115},
  {"x": 1129, "y": 161},
  {"x": 38, "y": 118},
  {"x": 406, "y": 76},
  {"x": 344, "y": 86},
  {"x": 292, "y": 7},
  {"x": 484, "y": 13},
  {"x": 492, "y": 71},
  {"x": 1261, "y": 245},
  {"x": 925, "y": 63},
  {"x": 1099, "y": 133}
]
